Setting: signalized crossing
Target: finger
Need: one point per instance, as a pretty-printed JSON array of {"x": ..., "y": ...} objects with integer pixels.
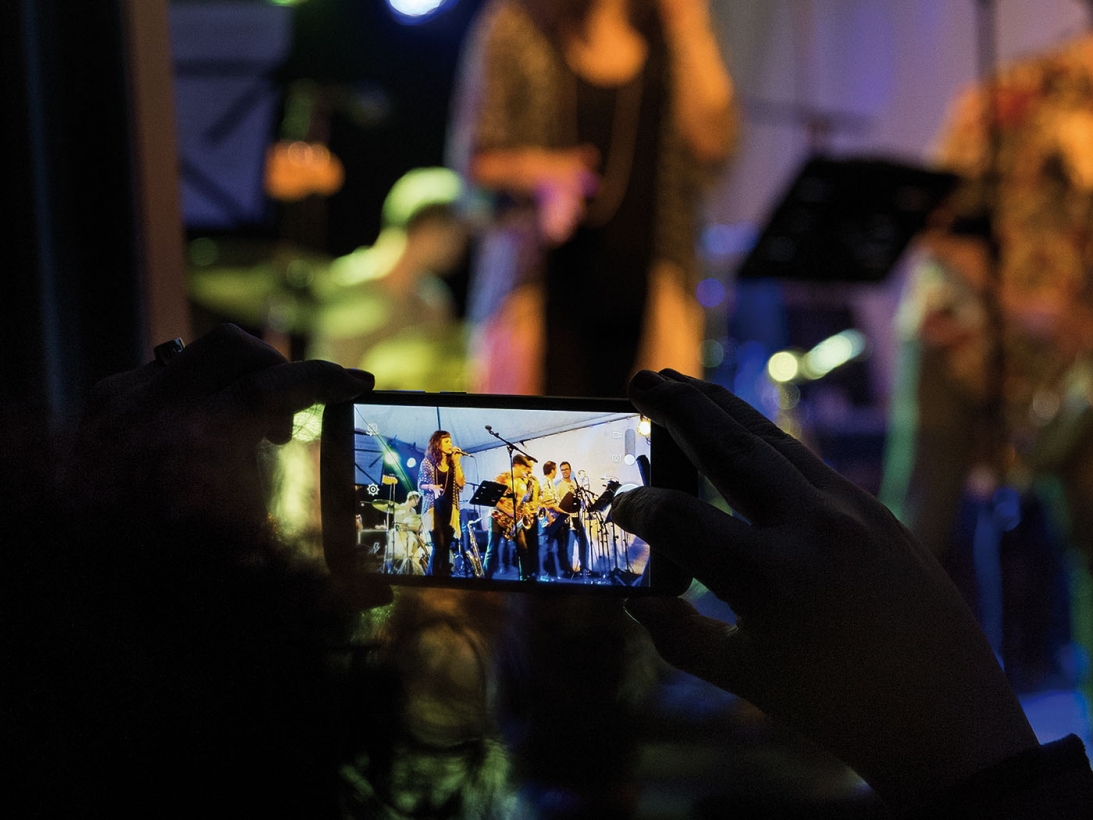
[
  {"x": 216, "y": 360},
  {"x": 726, "y": 554},
  {"x": 366, "y": 591},
  {"x": 270, "y": 397},
  {"x": 796, "y": 453},
  {"x": 283, "y": 423},
  {"x": 751, "y": 474},
  {"x": 705, "y": 647}
]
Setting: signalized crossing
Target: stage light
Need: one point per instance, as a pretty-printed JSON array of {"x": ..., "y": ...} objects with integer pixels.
[
  {"x": 833, "y": 353},
  {"x": 391, "y": 458},
  {"x": 789, "y": 396},
  {"x": 645, "y": 427},
  {"x": 783, "y": 366},
  {"x": 713, "y": 353},
  {"x": 203, "y": 252},
  {"x": 411, "y": 462},
  {"x": 710, "y": 293},
  {"x": 721, "y": 241},
  {"x": 414, "y": 11}
]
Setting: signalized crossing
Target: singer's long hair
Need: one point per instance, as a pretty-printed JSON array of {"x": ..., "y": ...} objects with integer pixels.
[{"x": 432, "y": 449}]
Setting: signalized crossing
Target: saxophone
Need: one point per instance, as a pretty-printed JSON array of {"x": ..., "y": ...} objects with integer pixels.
[
  {"x": 470, "y": 550},
  {"x": 523, "y": 516}
]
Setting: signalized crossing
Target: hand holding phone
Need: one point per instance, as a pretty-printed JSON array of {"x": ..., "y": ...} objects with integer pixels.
[{"x": 848, "y": 629}]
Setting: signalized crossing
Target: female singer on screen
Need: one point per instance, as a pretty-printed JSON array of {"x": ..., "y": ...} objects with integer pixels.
[{"x": 440, "y": 481}]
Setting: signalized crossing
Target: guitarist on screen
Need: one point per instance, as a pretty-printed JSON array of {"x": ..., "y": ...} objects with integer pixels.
[
  {"x": 553, "y": 525},
  {"x": 569, "y": 492}
]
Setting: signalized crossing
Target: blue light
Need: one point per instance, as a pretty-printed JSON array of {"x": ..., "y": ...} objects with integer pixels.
[
  {"x": 710, "y": 293},
  {"x": 414, "y": 11}
]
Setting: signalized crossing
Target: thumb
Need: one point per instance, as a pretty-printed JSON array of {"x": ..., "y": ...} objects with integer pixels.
[{"x": 705, "y": 647}]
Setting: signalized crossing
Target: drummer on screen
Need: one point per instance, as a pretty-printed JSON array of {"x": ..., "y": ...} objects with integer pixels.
[
  {"x": 406, "y": 515},
  {"x": 440, "y": 481}
]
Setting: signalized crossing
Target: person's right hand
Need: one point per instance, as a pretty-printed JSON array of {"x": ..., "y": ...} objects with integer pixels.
[
  {"x": 848, "y": 629},
  {"x": 564, "y": 179}
]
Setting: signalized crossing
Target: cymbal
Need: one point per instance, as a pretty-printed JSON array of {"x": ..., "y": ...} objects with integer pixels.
[
  {"x": 389, "y": 479},
  {"x": 385, "y": 506}
]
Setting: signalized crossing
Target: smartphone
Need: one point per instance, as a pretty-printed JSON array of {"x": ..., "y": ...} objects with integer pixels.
[{"x": 494, "y": 492}]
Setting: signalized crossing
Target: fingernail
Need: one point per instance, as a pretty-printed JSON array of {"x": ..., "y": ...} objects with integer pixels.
[
  {"x": 639, "y": 609},
  {"x": 646, "y": 380}
]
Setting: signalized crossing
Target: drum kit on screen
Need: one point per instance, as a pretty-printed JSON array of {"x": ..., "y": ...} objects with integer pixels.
[{"x": 406, "y": 552}]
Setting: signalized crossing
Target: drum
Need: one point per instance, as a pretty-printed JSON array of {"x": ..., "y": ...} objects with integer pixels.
[
  {"x": 407, "y": 552},
  {"x": 371, "y": 550},
  {"x": 409, "y": 523},
  {"x": 372, "y": 540}
]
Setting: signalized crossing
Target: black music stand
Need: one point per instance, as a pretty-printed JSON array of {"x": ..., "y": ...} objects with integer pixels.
[
  {"x": 605, "y": 498},
  {"x": 488, "y": 494},
  {"x": 845, "y": 220}
]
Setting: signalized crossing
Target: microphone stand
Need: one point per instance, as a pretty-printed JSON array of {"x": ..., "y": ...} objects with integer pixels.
[
  {"x": 986, "y": 544},
  {"x": 585, "y": 499},
  {"x": 513, "y": 448}
]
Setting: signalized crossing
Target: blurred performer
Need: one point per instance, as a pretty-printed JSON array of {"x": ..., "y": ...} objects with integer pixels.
[
  {"x": 507, "y": 522},
  {"x": 568, "y": 492},
  {"x": 553, "y": 532},
  {"x": 592, "y": 123},
  {"x": 440, "y": 481},
  {"x": 386, "y": 308},
  {"x": 1024, "y": 144}
]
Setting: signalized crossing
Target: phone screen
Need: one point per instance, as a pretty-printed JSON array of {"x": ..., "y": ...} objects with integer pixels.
[{"x": 497, "y": 492}]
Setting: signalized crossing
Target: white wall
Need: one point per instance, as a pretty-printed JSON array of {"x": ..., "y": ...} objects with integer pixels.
[
  {"x": 893, "y": 65},
  {"x": 595, "y": 450},
  {"x": 886, "y": 72}
]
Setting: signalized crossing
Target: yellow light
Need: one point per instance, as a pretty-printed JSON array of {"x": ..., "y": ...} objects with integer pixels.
[
  {"x": 645, "y": 427},
  {"x": 783, "y": 366},
  {"x": 832, "y": 353}
]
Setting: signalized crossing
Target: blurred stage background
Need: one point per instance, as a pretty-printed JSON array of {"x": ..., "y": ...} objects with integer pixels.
[{"x": 194, "y": 93}]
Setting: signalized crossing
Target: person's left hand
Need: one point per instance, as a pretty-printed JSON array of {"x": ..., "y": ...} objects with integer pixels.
[{"x": 179, "y": 439}]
